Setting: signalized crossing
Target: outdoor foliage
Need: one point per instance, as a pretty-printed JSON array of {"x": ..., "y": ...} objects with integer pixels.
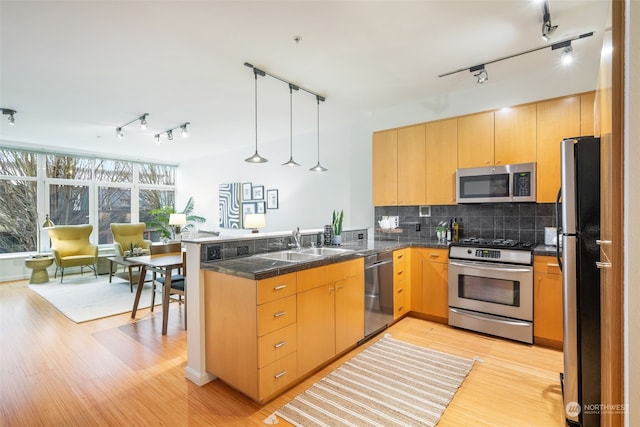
[{"x": 160, "y": 219}]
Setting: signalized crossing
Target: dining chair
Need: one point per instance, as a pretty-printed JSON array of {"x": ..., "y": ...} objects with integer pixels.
[{"x": 178, "y": 285}]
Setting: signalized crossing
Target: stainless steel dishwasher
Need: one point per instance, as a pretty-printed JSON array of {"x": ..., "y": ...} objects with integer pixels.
[{"x": 378, "y": 293}]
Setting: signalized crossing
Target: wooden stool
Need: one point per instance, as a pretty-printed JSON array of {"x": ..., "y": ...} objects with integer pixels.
[{"x": 39, "y": 265}]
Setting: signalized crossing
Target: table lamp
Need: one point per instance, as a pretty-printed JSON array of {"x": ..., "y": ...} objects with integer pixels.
[
  {"x": 45, "y": 225},
  {"x": 254, "y": 221},
  {"x": 177, "y": 220}
]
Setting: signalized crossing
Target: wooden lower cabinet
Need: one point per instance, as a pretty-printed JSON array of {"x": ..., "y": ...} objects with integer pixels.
[
  {"x": 401, "y": 283},
  {"x": 430, "y": 283},
  {"x": 547, "y": 302},
  {"x": 330, "y": 312}
]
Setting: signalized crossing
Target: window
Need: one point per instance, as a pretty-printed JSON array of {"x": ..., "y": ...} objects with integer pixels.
[{"x": 75, "y": 190}]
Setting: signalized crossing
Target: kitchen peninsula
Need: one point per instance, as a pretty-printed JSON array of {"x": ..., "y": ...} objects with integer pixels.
[{"x": 245, "y": 312}]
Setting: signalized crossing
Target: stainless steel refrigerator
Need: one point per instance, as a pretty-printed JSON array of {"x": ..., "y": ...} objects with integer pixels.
[{"x": 579, "y": 230}]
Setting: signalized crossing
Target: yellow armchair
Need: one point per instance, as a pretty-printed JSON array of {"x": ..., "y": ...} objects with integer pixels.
[
  {"x": 71, "y": 248},
  {"x": 124, "y": 234}
]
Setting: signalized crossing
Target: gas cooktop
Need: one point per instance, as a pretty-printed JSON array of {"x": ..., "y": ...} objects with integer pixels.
[{"x": 493, "y": 243}]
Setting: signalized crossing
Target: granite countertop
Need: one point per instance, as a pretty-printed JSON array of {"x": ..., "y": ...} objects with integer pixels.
[{"x": 256, "y": 267}]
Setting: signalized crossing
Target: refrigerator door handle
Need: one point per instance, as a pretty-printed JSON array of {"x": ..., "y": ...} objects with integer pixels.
[
  {"x": 558, "y": 229},
  {"x": 570, "y": 303}
]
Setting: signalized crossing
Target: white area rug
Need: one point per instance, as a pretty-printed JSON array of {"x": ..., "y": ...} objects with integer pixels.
[{"x": 84, "y": 297}]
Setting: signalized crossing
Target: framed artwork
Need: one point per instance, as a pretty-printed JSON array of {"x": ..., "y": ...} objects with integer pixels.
[
  {"x": 246, "y": 191},
  {"x": 229, "y": 205},
  {"x": 260, "y": 207},
  {"x": 272, "y": 199},
  {"x": 258, "y": 192}
]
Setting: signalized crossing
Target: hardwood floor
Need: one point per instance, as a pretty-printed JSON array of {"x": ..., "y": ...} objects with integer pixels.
[{"x": 117, "y": 371}]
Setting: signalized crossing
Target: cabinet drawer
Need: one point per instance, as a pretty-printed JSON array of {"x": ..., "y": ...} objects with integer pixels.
[
  {"x": 276, "y": 287},
  {"x": 276, "y": 314},
  {"x": 276, "y": 345},
  {"x": 278, "y": 375},
  {"x": 399, "y": 271},
  {"x": 400, "y": 300},
  {"x": 546, "y": 264},
  {"x": 399, "y": 255},
  {"x": 436, "y": 255}
]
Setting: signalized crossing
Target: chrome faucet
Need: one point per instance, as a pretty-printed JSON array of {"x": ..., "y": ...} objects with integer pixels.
[{"x": 297, "y": 237}]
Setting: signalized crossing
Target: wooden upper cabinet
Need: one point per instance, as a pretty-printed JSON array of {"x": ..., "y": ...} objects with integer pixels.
[
  {"x": 587, "y": 114},
  {"x": 557, "y": 119},
  {"x": 385, "y": 168},
  {"x": 411, "y": 165},
  {"x": 441, "y": 139},
  {"x": 515, "y": 138},
  {"x": 476, "y": 140}
]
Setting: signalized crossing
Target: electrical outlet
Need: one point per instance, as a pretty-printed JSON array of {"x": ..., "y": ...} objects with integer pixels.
[
  {"x": 418, "y": 227},
  {"x": 214, "y": 252},
  {"x": 243, "y": 250},
  {"x": 360, "y": 236}
]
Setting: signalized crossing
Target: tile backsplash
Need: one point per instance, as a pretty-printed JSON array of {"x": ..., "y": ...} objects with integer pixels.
[{"x": 518, "y": 221}]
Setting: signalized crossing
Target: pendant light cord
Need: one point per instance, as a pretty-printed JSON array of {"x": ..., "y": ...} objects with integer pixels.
[{"x": 255, "y": 91}]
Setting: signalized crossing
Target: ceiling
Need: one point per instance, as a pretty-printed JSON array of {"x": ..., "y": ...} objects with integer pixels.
[{"x": 76, "y": 70}]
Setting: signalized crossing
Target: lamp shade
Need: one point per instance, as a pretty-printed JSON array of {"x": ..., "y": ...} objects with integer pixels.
[
  {"x": 177, "y": 219},
  {"x": 255, "y": 221}
]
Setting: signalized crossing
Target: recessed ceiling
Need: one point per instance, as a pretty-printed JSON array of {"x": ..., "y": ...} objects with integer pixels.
[{"x": 76, "y": 70}]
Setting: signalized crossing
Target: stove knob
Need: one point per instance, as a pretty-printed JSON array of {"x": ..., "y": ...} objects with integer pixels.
[{"x": 469, "y": 251}]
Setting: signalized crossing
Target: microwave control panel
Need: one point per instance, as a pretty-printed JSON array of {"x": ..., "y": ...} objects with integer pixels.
[{"x": 521, "y": 184}]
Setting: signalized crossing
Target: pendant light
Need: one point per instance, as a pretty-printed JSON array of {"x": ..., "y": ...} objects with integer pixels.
[
  {"x": 256, "y": 158},
  {"x": 291, "y": 162},
  {"x": 318, "y": 167}
]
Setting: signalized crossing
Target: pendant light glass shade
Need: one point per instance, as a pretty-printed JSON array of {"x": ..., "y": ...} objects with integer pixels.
[
  {"x": 256, "y": 158},
  {"x": 291, "y": 163},
  {"x": 318, "y": 167}
]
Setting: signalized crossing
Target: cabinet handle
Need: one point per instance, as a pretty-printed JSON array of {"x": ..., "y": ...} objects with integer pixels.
[
  {"x": 603, "y": 264},
  {"x": 400, "y": 272},
  {"x": 434, "y": 255},
  {"x": 280, "y": 375},
  {"x": 400, "y": 256},
  {"x": 331, "y": 290},
  {"x": 603, "y": 242},
  {"x": 338, "y": 287},
  {"x": 280, "y": 314},
  {"x": 280, "y": 344},
  {"x": 401, "y": 308},
  {"x": 400, "y": 290},
  {"x": 553, "y": 265},
  {"x": 279, "y": 287}
]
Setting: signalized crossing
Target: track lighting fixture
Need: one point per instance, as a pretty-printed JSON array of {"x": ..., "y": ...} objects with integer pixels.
[
  {"x": 256, "y": 158},
  {"x": 169, "y": 132},
  {"x": 566, "y": 57},
  {"x": 291, "y": 162},
  {"x": 482, "y": 75},
  {"x": 318, "y": 167},
  {"x": 10, "y": 113},
  {"x": 143, "y": 125},
  {"x": 547, "y": 27}
]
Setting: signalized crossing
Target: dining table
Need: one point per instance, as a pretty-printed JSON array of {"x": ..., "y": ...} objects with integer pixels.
[{"x": 160, "y": 264}]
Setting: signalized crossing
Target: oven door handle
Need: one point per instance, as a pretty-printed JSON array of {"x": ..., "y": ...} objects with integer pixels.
[
  {"x": 494, "y": 268},
  {"x": 490, "y": 319}
]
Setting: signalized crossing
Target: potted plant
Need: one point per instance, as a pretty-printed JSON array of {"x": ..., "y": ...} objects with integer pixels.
[
  {"x": 160, "y": 219},
  {"x": 336, "y": 226}
]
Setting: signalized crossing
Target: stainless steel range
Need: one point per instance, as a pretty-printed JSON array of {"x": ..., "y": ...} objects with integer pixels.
[{"x": 491, "y": 287}]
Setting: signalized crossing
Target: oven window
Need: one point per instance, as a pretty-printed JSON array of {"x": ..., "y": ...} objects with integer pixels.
[
  {"x": 485, "y": 186},
  {"x": 497, "y": 291}
]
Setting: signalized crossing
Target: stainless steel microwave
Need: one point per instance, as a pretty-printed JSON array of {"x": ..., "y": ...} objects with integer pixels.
[{"x": 492, "y": 184}]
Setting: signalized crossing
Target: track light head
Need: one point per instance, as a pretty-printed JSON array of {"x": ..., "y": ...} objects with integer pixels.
[
  {"x": 119, "y": 133},
  {"x": 157, "y": 137},
  {"x": 10, "y": 113},
  {"x": 183, "y": 130},
  {"x": 170, "y": 135},
  {"x": 143, "y": 121},
  {"x": 481, "y": 74},
  {"x": 566, "y": 57},
  {"x": 547, "y": 27}
]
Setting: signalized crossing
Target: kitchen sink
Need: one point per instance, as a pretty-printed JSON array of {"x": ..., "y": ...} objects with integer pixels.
[
  {"x": 326, "y": 251},
  {"x": 291, "y": 256}
]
